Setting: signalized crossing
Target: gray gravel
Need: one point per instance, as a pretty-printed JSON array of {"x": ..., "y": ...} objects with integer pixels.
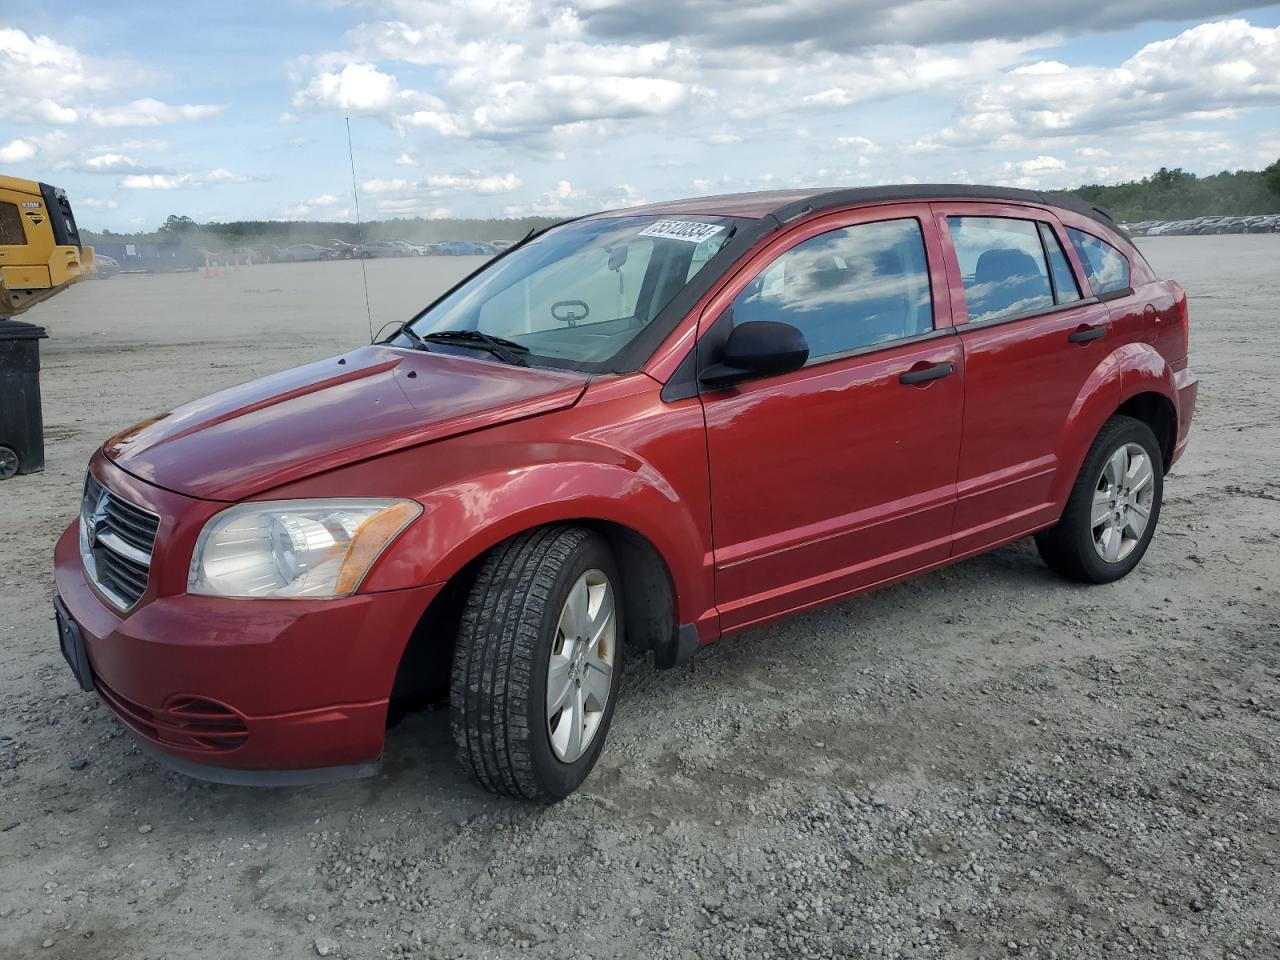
[{"x": 985, "y": 762}]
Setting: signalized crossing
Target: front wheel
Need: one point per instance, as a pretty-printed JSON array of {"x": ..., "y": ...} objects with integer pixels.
[
  {"x": 538, "y": 663},
  {"x": 1113, "y": 508}
]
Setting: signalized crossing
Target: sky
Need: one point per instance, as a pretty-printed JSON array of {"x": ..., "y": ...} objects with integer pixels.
[{"x": 490, "y": 108}]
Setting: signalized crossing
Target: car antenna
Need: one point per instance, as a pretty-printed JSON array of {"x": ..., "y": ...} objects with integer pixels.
[{"x": 351, "y": 155}]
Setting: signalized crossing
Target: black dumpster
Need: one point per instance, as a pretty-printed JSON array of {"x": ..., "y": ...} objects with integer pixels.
[{"x": 21, "y": 421}]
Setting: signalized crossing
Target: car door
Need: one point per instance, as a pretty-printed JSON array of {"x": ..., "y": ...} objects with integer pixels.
[
  {"x": 842, "y": 474},
  {"x": 1031, "y": 341}
]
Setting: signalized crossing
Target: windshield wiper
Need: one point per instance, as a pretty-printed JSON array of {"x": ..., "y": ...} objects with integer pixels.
[
  {"x": 505, "y": 350},
  {"x": 412, "y": 334}
]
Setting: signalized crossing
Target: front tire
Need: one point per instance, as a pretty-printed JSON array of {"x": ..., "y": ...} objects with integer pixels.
[
  {"x": 538, "y": 663},
  {"x": 1113, "y": 508}
]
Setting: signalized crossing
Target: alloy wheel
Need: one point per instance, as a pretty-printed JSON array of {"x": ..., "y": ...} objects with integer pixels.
[
  {"x": 1122, "y": 501},
  {"x": 580, "y": 670}
]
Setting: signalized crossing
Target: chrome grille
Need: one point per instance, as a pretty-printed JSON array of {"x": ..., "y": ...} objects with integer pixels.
[{"x": 116, "y": 539}]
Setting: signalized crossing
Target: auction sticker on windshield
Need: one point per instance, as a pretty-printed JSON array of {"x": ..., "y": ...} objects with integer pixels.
[{"x": 682, "y": 230}]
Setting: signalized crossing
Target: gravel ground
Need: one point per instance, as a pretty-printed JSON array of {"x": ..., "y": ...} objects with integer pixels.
[{"x": 984, "y": 762}]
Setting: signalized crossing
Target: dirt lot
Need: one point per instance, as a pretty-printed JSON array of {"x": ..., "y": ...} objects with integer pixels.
[{"x": 985, "y": 762}]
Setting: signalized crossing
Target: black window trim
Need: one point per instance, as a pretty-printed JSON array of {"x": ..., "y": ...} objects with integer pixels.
[
  {"x": 1041, "y": 225},
  {"x": 883, "y": 345},
  {"x": 1000, "y": 321}
]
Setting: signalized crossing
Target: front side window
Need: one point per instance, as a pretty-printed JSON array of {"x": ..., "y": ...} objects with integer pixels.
[
  {"x": 1002, "y": 266},
  {"x": 581, "y": 292},
  {"x": 846, "y": 289},
  {"x": 1107, "y": 268},
  {"x": 11, "y": 232}
]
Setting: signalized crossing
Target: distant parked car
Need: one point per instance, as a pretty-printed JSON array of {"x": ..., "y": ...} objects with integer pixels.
[
  {"x": 1269, "y": 223},
  {"x": 499, "y": 246},
  {"x": 341, "y": 249},
  {"x": 466, "y": 248},
  {"x": 106, "y": 266},
  {"x": 412, "y": 249},
  {"x": 1202, "y": 226},
  {"x": 304, "y": 251},
  {"x": 268, "y": 253},
  {"x": 381, "y": 248}
]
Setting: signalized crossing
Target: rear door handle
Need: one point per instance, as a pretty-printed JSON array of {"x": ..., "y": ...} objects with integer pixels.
[
  {"x": 1085, "y": 334},
  {"x": 925, "y": 374}
]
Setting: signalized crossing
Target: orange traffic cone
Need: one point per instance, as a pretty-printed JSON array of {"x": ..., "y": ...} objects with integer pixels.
[{"x": 209, "y": 270}]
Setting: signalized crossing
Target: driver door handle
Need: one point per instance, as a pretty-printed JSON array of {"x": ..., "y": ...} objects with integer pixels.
[{"x": 925, "y": 374}]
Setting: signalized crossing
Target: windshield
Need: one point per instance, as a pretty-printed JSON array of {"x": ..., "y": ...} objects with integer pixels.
[{"x": 583, "y": 291}]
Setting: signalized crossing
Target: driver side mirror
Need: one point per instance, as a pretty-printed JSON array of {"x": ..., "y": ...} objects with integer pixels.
[{"x": 758, "y": 348}]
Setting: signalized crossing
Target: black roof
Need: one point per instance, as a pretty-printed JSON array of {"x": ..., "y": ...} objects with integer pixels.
[{"x": 787, "y": 205}]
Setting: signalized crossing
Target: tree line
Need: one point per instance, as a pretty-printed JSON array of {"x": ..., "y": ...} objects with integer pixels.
[
  {"x": 1165, "y": 195},
  {"x": 1178, "y": 195},
  {"x": 255, "y": 233}
]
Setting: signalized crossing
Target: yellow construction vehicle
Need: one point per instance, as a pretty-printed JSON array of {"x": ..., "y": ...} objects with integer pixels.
[{"x": 40, "y": 249}]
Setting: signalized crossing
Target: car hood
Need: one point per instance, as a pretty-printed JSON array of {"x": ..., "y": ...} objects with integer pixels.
[{"x": 287, "y": 426}]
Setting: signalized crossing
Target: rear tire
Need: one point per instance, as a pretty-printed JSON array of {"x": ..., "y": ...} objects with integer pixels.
[
  {"x": 520, "y": 638},
  {"x": 1113, "y": 508}
]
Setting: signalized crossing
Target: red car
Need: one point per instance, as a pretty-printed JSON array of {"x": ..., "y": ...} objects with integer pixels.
[{"x": 655, "y": 426}]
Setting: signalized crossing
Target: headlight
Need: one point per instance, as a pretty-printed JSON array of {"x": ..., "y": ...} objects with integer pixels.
[{"x": 295, "y": 548}]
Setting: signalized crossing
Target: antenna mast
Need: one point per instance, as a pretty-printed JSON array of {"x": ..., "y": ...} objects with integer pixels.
[{"x": 351, "y": 155}]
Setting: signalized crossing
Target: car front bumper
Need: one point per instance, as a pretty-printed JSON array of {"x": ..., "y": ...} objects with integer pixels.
[{"x": 246, "y": 691}]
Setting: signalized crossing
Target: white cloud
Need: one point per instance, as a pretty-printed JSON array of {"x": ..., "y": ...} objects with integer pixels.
[
  {"x": 494, "y": 183},
  {"x": 149, "y": 112},
  {"x": 385, "y": 186},
  {"x": 154, "y": 181},
  {"x": 40, "y": 78},
  {"x": 357, "y": 88},
  {"x": 556, "y": 202},
  {"x": 163, "y": 181},
  {"x": 224, "y": 176},
  {"x": 1206, "y": 71},
  {"x": 110, "y": 163},
  {"x": 17, "y": 151},
  {"x": 324, "y": 206}
]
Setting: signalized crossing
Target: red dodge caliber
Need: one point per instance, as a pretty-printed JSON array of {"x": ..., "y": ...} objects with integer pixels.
[{"x": 652, "y": 426}]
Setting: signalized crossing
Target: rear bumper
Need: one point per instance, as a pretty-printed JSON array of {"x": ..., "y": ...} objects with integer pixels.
[
  {"x": 1185, "y": 382},
  {"x": 230, "y": 690}
]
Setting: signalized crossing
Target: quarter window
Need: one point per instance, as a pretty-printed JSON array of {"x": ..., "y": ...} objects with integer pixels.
[
  {"x": 847, "y": 289},
  {"x": 1065, "y": 288},
  {"x": 1106, "y": 267},
  {"x": 11, "y": 232},
  {"x": 1002, "y": 266}
]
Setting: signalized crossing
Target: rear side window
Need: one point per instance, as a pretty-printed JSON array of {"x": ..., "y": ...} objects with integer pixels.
[
  {"x": 847, "y": 289},
  {"x": 1107, "y": 267},
  {"x": 1002, "y": 265},
  {"x": 1065, "y": 288},
  {"x": 11, "y": 232}
]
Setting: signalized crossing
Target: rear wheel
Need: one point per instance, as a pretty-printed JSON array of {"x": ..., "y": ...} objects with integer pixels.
[
  {"x": 1113, "y": 508},
  {"x": 538, "y": 663},
  {"x": 8, "y": 463}
]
